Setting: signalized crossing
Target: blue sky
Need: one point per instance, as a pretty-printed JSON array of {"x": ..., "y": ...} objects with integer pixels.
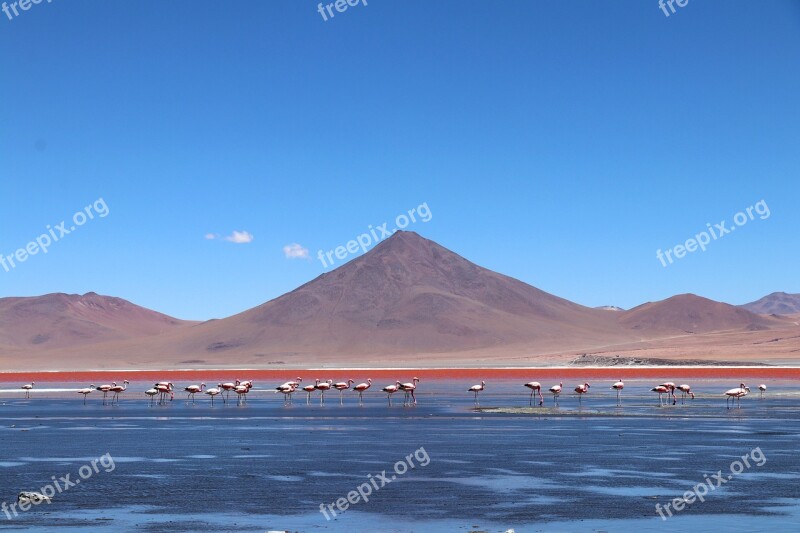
[{"x": 561, "y": 143}]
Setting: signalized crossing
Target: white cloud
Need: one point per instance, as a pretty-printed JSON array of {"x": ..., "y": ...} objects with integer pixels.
[
  {"x": 295, "y": 251},
  {"x": 211, "y": 236},
  {"x": 240, "y": 237}
]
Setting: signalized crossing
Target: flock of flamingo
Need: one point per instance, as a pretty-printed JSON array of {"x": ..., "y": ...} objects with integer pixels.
[
  {"x": 165, "y": 389},
  {"x": 668, "y": 388}
]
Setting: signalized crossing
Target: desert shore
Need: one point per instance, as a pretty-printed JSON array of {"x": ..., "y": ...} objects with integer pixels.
[{"x": 549, "y": 373}]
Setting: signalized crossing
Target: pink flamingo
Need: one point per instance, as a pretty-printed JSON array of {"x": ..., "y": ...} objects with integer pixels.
[
  {"x": 535, "y": 386},
  {"x": 409, "y": 389},
  {"x": 287, "y": 391},
  {"x": 618, "y": 386},
  {"x": 581, "y": 390},
  {"x": 295, "y": 383},
  {"x": 215, "y": 392},
  {"x": 762, "y": 389},
  {"x": 87, "y": 390},
  {"x": 671, "y": 388},
  {"x": 737, "y": 394},
  {"x": 164, "y": 388},
  {"x": 556, "y": 391},
  {"x": 150, "y": 392},
  {"x": 322, "y": 387},
  {"x": 685, "y": 390},
  {"x": 309, "y": 389},
  {"x": 476, "y": 389},
  {"x": 341, "y": 387},
  {"x": 360, "y": 388},
  {"x": 242, "y": 391},
  {"x": 661, "y": 390},
  {"x": 27, "y": 388},
  {"x": 104, "y": 389},
  {"x": 228, "y": 387},
  {"x": 194, "y": 389},
  {"x": 389, "y": 390},
  {"x": 116, "y": 389}
]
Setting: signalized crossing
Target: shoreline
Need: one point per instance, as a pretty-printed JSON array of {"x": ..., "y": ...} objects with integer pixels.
[{"x": 537, "y": 373}]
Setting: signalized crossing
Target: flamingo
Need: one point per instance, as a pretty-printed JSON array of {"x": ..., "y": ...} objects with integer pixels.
[
  {"x": 248, "y": 384},
  {"x": 556, "y": 391},
  {"x": 361, "y": 387},
  {"x": 164, "y": 388},
  {"x": 685, "y": 390},
  {"x": 87, "y": 390},
  {"x": 295, "y": 383},
  {"x": 661, "y": 390},
  {"x": 242, "y": 391},
  {"x": 581, "y": 390},
  {"x": 409, "y": 389},
  {"x": 309, "y": 389},
  {"x": 287, "y": 391},
  {"x": 150, "y": 392},
  {"x": 389, "y": 390},
  {"x": 215, "y": 392},
  {"x": 27, "y": 388},
  {"x": 535, "y": 386},
  {"x": 322, "y": 387},
  {"x": 104, "y": 389},
  {"x": 194, "y": 389},
  {"x": 476, "y": 389},
  {"x": 341, "y": 387},
  {"x": 618, "y": 386},
  {"x": 737, "y": 394},
  {"x": 116, "y": 389},
  {"x": 762, "y": 389},
  {"x": 671, "y": 388},
  {"x": 228, "y": 387}
]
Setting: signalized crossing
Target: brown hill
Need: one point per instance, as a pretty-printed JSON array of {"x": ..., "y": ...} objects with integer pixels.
[
  {"x": 407, "y": 302},
  {"x": 56, "y": 321},
  {"x": 408, "y": 295},
  {"x": 691, "y": 314},
  {"x": 777, "y": 303}
]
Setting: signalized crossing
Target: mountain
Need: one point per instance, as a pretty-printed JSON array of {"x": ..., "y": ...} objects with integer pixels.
[
  {"x": 610, "y": 308},
  {"x": 407, "y": 302},
  {"x": 777, "y": 303},
  {"x": 56, "y": 321},
  {"x": 408, "y": 295},
  {"x": 691, "y": 314}
]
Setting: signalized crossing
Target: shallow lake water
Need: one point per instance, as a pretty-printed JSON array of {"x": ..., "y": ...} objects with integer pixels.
[{"x": 266, "y": 466}]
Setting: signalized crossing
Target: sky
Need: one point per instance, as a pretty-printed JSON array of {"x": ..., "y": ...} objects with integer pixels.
[{"x": 560, "y": 143}]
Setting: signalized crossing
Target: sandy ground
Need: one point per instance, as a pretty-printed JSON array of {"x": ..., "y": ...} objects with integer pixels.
[{"x": 476, "y": 374}]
